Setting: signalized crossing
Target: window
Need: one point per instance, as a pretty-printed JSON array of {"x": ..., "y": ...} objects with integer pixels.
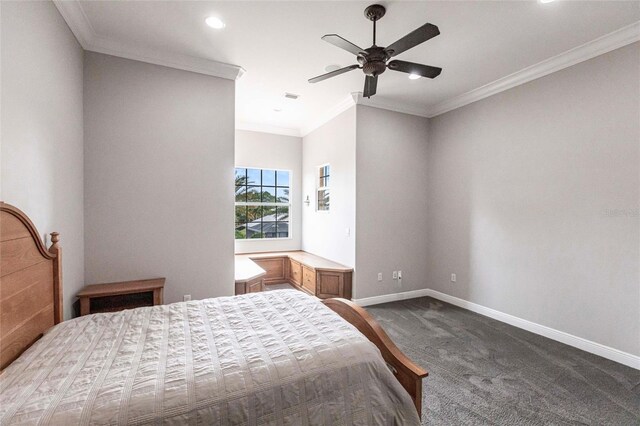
[
  {"x": 323, "y": 188},
  {"x": 262, "y": 203}
]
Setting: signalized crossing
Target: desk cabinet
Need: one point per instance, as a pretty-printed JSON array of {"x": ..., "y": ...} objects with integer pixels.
[
  {"x": 334, "y": 284},
  {"x": 309, "y": 279},
  {"x": 306, "y": 272},
  {"x": 251, "y": 286},
  {"x": 295, "y": 275},
  {"x": 276, "y": 268}
]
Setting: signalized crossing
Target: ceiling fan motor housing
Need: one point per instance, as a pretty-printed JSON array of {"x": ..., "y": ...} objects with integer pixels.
[
  {"x": 375, "y": 61},
  {"x": 374, "y": 68}
]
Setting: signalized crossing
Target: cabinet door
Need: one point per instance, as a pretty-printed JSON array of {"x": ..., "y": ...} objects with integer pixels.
[
  {"x": 254, "y": 286},
  {"x": 309, "y": 279},
  {"x": 296, "y": 272},
  {"x": 330, "y": 284},
  {"x": 275, "y": 268}
]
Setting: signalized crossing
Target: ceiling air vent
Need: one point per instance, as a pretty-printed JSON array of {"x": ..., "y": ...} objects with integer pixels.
[{"x": 291, "y": 95}]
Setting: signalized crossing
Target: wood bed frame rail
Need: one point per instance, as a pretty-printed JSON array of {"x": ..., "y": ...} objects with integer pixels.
[
  {"x": 406, "y": 372},
  {"x": 30, "y": 283}
]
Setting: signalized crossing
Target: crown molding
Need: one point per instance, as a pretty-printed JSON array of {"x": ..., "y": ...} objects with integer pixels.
[
  {"x": 171, "y": 60},
  {"x": 74, "y": 15},
  {"x": 390, "y": 106},
  {"x": 77, "y": 21},
  {"x": 615, "y": 40},
  {"x": 599, "y": 46},
  {"x": 267, "y": 128},
  {"x": 329, "y": 115},
  {"x": 84, "y": 32}
]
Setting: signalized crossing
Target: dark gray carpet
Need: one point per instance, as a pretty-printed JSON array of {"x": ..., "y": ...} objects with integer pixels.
[
  {"x": 482, "y": 371},
  {"x": 283, "y": 286}
]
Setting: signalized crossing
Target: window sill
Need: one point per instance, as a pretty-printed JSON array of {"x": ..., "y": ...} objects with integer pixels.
[{"x": 264, "y": 239}]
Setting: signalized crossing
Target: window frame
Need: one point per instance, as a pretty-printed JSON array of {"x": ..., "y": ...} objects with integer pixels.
[
  {"x": 322, "y": 188},
  {"x": 262, "y": 204}
]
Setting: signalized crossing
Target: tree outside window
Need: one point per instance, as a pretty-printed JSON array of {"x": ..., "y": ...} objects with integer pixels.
[{"x": 262, "y": 203}]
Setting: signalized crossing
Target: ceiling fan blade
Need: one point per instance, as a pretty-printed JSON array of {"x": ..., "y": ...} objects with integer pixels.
[
  {"x": 412, "y": 68},
  {"x": 370, "y": 85},
  {"x": 413, "y": 39},
  {"x": 342, "y": 43},
  {"x": 333, "y": 73}
]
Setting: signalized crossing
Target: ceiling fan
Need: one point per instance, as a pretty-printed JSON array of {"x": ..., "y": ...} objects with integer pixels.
[{"x": 375, "y": 60}]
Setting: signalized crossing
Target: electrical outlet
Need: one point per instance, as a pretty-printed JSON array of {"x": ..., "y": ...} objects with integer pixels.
[
  {"x": 379, "y": 276},
  {"x": 453, "y": 278},
  {"x": 395, "y": 275},
  {"x": 186, "y": 297}
]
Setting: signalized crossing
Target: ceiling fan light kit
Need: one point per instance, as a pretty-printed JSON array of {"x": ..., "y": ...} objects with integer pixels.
[{"x": 375, "y": 60}]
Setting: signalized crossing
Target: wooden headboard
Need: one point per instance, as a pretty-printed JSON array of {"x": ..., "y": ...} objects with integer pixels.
[{"x": 30, "y": 284}]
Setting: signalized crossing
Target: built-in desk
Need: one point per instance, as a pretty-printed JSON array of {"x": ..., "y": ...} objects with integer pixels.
[
  {"x": 249, "y": 276},
  {"x": 305, "y": 271}
]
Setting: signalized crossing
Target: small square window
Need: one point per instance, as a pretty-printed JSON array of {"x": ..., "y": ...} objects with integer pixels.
[{"x": 322, "y": 192}]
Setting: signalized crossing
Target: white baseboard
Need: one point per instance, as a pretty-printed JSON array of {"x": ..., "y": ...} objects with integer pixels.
[
  {"x": 613, "y": 354},
  {"x": 376, "y": 300}
]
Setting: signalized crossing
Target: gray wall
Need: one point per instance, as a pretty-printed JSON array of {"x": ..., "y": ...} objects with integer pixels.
[
  {"x": 391, "y": 176},
  {"x": 535, "y": 197},
  {"x": 159, "y": 149},
  {"x": 41, "y": 136},
  {"x": 325, "y": 233},
  {"x": 268, "y": 151}
]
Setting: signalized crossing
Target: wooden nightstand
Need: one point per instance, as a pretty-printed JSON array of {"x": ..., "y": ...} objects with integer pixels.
[{"x": 112, "y": 297}]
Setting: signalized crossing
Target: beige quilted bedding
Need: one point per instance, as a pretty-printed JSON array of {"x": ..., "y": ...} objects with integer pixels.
[{"x": 277, "y": 358}]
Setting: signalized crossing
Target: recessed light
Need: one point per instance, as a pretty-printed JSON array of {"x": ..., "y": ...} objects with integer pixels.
[
  {"x": 414, "y": 76},
  {"x": 545, "y": 1},
  {"x": 215, "y": 22},
  {"x": 277, "y": 109}
]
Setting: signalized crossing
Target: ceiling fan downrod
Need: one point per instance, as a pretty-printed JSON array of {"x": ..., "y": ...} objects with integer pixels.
[{"x": 373, "y": 13}]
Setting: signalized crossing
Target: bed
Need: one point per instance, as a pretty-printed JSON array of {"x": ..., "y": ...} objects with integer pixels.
[{"x": 279, "y": 357}]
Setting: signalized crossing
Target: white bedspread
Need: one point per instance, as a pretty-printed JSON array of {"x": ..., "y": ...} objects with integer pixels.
[{"x": 278, "y": 357}]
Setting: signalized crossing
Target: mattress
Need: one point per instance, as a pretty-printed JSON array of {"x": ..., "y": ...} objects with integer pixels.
[{"x": 277, "y": 357}]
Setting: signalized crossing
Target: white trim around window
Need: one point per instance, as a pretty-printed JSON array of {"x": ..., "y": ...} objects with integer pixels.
[{"x": 251, "y": 218}]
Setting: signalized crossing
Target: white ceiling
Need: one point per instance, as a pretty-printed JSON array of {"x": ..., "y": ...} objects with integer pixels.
[{"x": 279, "y": 46}]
